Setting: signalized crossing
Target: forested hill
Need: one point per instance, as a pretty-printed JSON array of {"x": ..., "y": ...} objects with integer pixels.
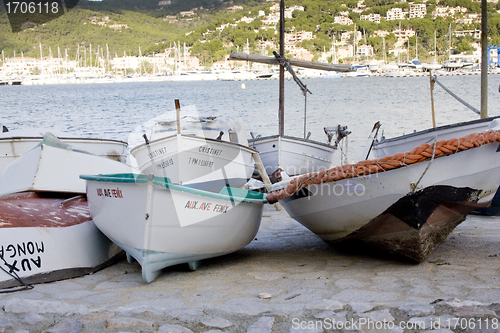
[
  {"x": 152, "y": 8},
  {"x": 213, "y": 28},
  {"x": 134, "y": 24}
]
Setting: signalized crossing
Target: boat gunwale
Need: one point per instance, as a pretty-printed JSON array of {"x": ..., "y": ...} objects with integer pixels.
[
  {"x": 61, "y": 138},
  {"x": 263, "y": 138},
  {"x": 165, "y": 183},
  {"x": 252, "y": 150},
  {"x": 430, "y": 130}
]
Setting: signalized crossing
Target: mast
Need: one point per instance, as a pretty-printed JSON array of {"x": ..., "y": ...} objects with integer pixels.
[
  {"x": 435, "y": 50},
  {"x": 416, "y": 46},
  {"x": 484, "y": 59},
  {"x": 282, "y": 69}
]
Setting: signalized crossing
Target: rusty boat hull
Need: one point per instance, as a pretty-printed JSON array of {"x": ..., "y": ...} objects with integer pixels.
[{"x": 49, "y": 237}]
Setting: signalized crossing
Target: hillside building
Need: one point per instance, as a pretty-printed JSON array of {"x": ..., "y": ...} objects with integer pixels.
[
  {"x": 395, "y": 14},
  {"x": 445, "y": 12},
  {"x": 417, "y": 10},
  {"x": 342, "y": 20},
  {"x": 298, "y": 37},
  {"x": 375, "y": 18},
  {"x": 364, "y": 51}
]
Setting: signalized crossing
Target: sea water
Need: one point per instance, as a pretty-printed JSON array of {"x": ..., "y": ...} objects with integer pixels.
[{"x": 115, "y": 110}]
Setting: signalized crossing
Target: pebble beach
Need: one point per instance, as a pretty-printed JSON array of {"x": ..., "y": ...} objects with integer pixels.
[{"x": 285, "y": 280}]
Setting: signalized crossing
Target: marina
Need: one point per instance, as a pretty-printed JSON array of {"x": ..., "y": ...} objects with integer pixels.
[{"x": 286, "y": 275}]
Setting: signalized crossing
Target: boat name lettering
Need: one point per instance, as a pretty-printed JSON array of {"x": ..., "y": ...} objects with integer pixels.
[
  {"x": 206, "y": 206},
  {"x": 164, "y": 164},
  {"x": 20, "y": 251},
  {"x": 221, "y": 208},
  {"x": 111, "y": 193},
  {"x": 157, "y": 152},
  {"x": 204, "y": 163},
  {"x": 191, "y": 204},
  {"x": 12, "y": 250},
  {"x": 210, "y": 151}
]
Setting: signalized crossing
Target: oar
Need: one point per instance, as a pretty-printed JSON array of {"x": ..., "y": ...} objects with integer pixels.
[{"x": 265, "y": 177}]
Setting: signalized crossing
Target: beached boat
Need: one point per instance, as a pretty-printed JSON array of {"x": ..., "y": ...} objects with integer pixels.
[
  {"x": 291, "y": 154},
  {"x": 14, "y": 143},
  {"x": 47, "y": 238},
  {"x": 203, "y": 153},
  {"x": 54, "y": 166},
  {"x": 405, "y": 203},
  {"x": 161, "y": 224},
  {"x": 47, "y": 232}
]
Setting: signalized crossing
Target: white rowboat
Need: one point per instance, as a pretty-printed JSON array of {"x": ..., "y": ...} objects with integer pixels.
[
  {"x": 14, "y": 144},
  {"x": 161, "y": 224}
]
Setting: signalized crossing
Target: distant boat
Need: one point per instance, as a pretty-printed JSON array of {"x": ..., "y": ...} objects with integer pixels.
[
  {"x": 360, "y": 71},
  {"x": 416, "y": 65},
  {"x": 431, "y": 66},
  {"x": 331, "y": 75},
  {"x": 161, "y": 224},
  {"x": 47, "y": 233},
  {"x": 264, "y": 75}
]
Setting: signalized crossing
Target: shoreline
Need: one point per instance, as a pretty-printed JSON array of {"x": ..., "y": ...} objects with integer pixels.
[{"x": 38, "y": 80}]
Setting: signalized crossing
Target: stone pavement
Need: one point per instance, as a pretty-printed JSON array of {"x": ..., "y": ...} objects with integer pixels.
[{"x": 286, "y": 280}]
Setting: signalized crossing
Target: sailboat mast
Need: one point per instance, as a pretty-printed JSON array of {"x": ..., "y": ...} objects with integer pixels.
[{"x": 282, "y": 69}]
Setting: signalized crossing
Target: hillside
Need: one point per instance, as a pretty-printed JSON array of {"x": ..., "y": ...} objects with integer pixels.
[
  {"x": 211, "y": 30},
  {"x": 133, "y": 24}
]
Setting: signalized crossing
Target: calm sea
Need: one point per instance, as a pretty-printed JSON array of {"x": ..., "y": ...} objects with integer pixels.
[{"x": 114, "y": 110}]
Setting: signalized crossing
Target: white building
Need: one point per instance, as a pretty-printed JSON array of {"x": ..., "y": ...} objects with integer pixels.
[
  {"x": 381, "y": 33},
  {"x": 298, "y": 37},
  {"x": 346, "y": 36},
  {"x": 395, "y": 14},
  {"x": 364, "y": 51},
  {"x": 375, "y": 18},
  {"x": 476, "y": 33},
  {"x": 403, "y": 34},
  {"x": 342, "y": 20},
  {"x": 20, "y": 65},
  {"x": 418, "y": 10},
  {"x": 245, "y": 19},
  {"x": 447, "y": 11}
]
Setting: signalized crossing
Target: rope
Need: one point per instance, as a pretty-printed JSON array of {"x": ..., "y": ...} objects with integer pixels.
[
  {"x": 14, "y": 275},
  {"x": 427, "y": 168},
  {"x": 384, "y": 164}
]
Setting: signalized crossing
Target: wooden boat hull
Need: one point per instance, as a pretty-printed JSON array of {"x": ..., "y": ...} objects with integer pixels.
[
  {"x": 376, "y": 208},
  {"x": 50, "y": 238},
  {"x": 161, "y": 224},
  {"x": 54, "y": 166},
  {"x": 295, "y": 156},
  {"x": 196, "y": 162},
  {"x": 16, "y": 143}
]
